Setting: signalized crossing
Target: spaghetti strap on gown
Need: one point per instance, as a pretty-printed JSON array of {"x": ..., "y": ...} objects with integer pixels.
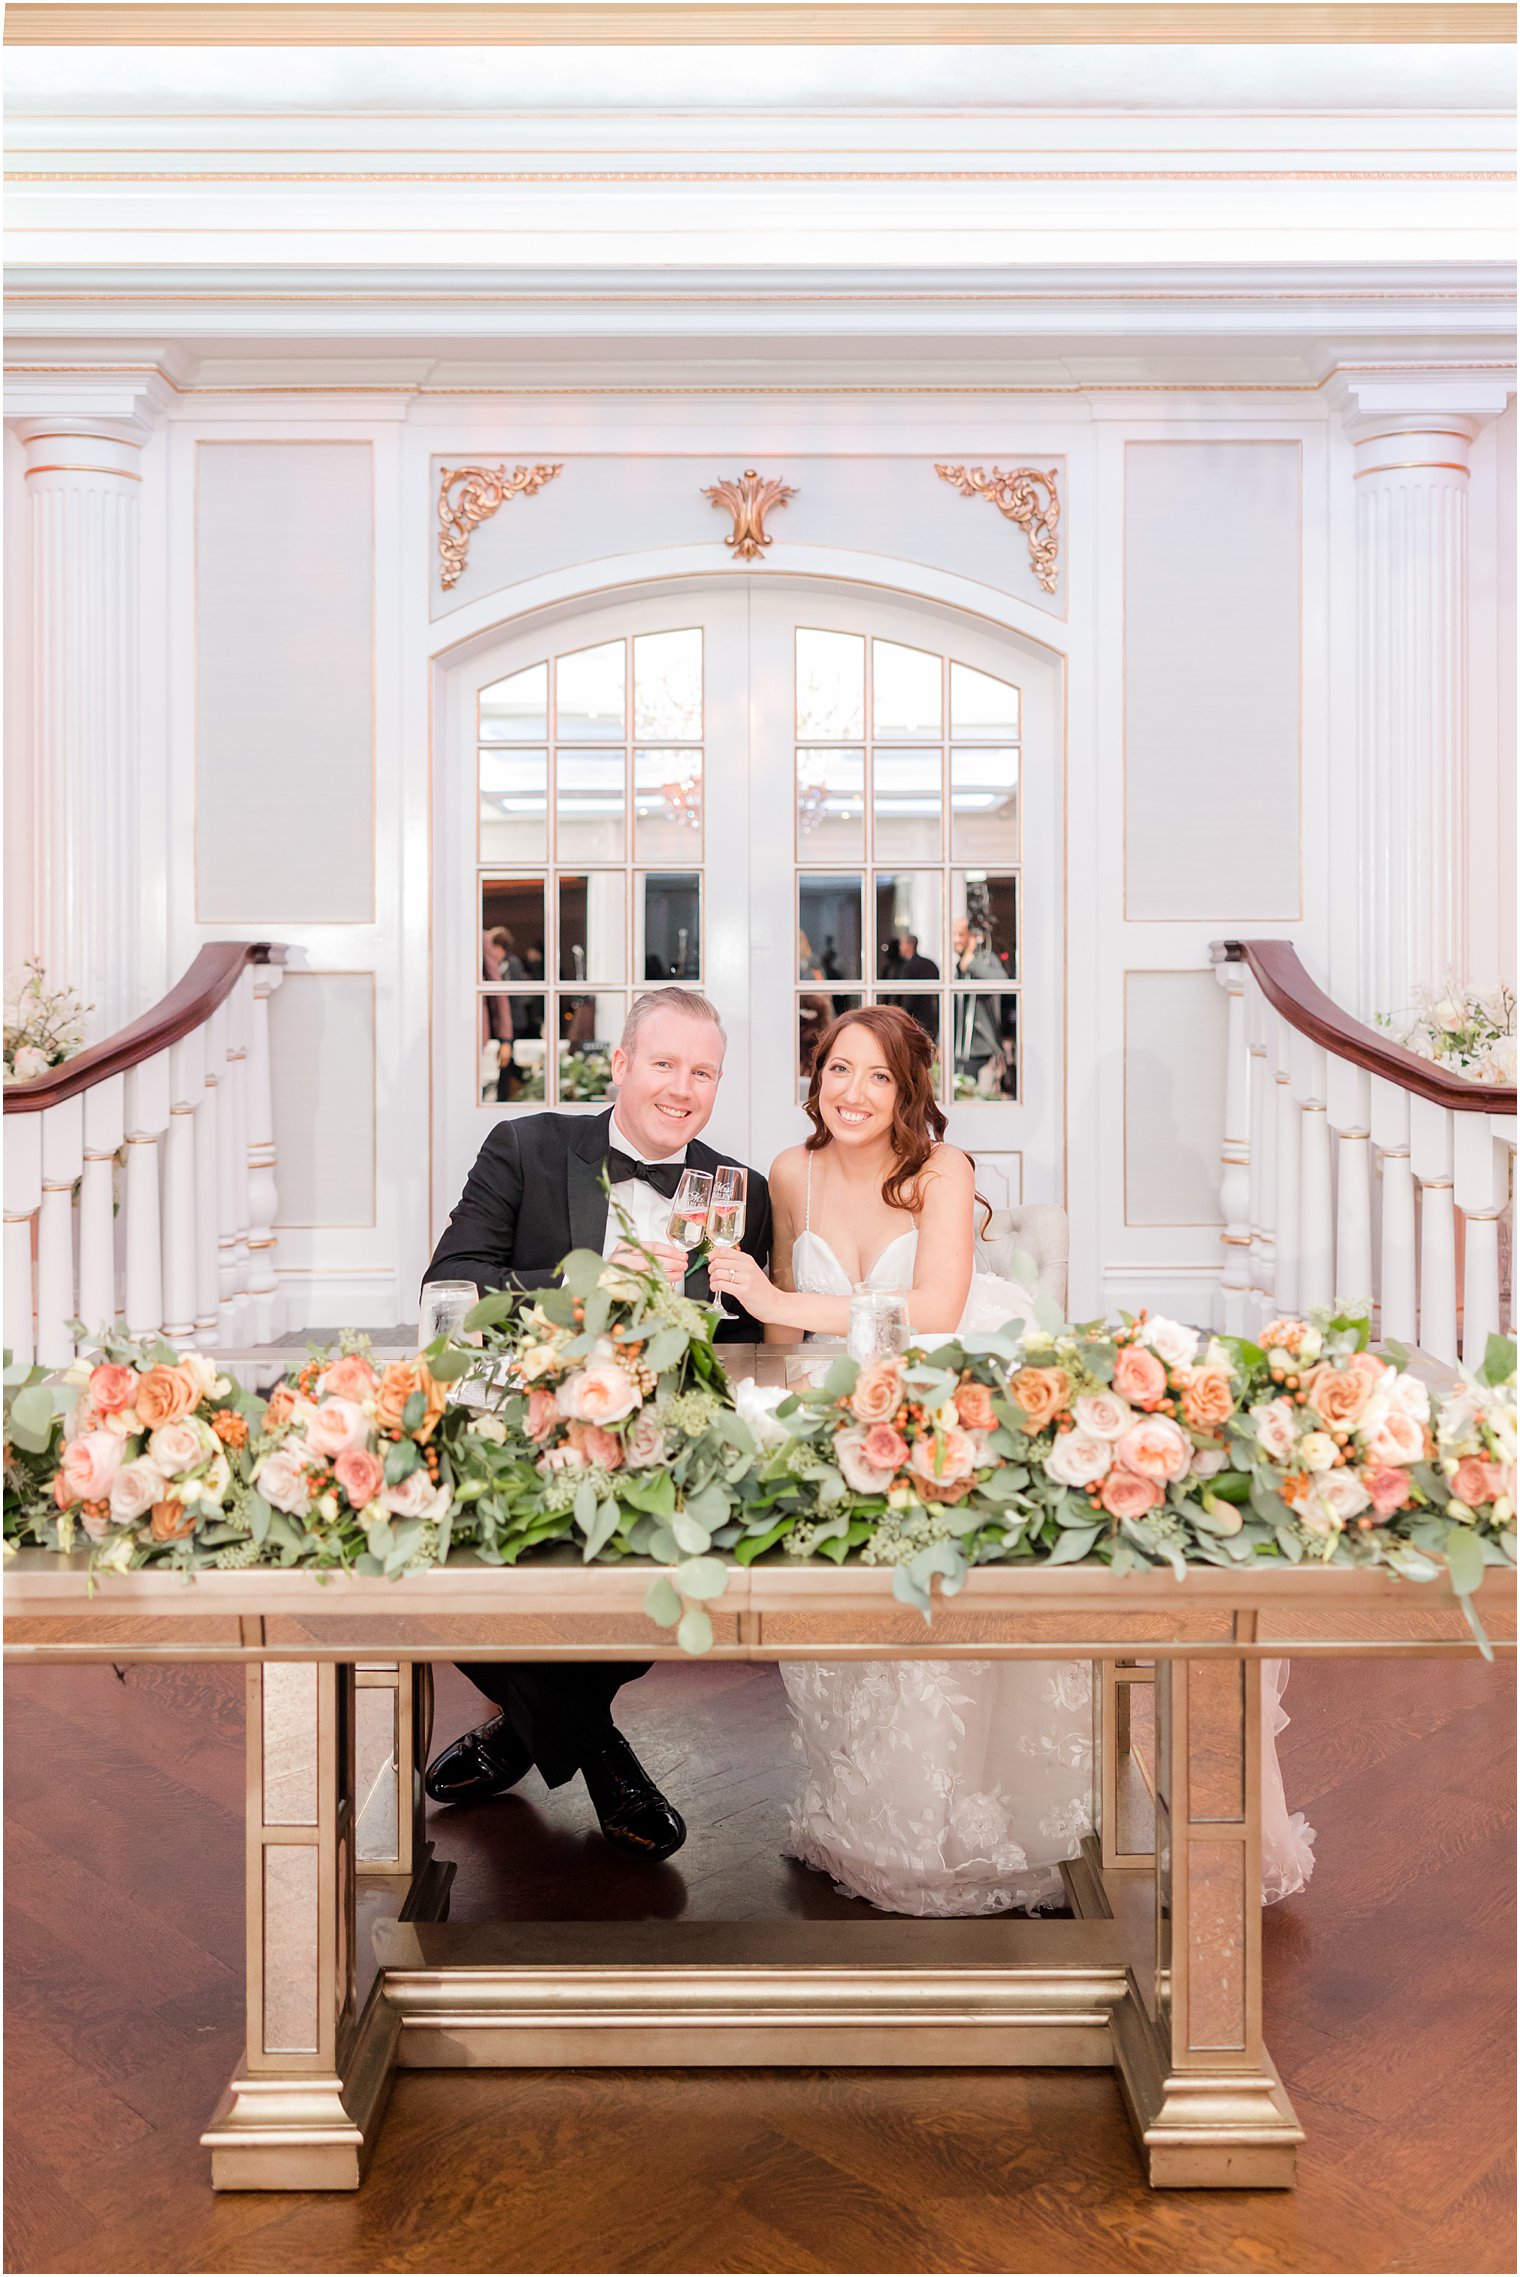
[{"x": 959, "y": 1787}]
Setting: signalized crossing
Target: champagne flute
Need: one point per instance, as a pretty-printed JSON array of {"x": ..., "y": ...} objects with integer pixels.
[
  {"x": 725, "y": 1224},
  {"x": 688, "y": 1212}
]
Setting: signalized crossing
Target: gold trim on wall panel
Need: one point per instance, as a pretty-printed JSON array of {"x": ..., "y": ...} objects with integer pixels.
[
  {"x": 278, "y": 175},
  {"x": 299, "y": 442},
  {"x": 1204, "y": 443},
  {"x": 347, "y": 1225},
  {"x": 1154, "y": 1225},
  {"x": 658, "y": 23}
]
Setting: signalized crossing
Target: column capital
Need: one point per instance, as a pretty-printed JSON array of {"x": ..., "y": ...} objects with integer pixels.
[
  {"x": 125, "y": 402},
  {"x": 1414, "y": 404}
]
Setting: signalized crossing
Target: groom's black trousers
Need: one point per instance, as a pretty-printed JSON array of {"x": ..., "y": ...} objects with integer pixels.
[{"x": 560, "y": 1710}]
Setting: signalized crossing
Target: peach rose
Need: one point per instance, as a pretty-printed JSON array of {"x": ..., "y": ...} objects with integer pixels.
[
  {"x": 973, "y": 1404},
  {"x": 279, "y": 1407},
  {"x": 644, "y": 1447},
  {"x": 1102, "y": 1414},
  {"x": 335, "y": 1426},
  {"x": 601, "y": 1393},
  {"x": 943, "y": 1458},
  {"x": 885, "y": 1449},
  {"x": 112, "y": 1387},
  {"x": 1337, "y": 1395},
  {"x": 63, "y": 1493},
  {"x": 171, "y": 1521},
  {"x": 849, "y": 1452},
  {"x": 878, "y": 1392},
  {"x": 1157, "y": 1449},
  {"x": 1469, "y": 1482},
  {"x": 400, "y": 1380},
  {"x": 1041, "y": 1393},
  {"x": 351, "y": 1377},
  {"x": 1139, "y": 1376},
  {"x": 1079, "y": 1458},
  {"x": 360, "y": 1474},
  {"x": 165, "y": 1394},
  {"x": 90, "y": 1466},
  {"x": 543, "y": 1412},
  {"x": 1207, "y": 1400},
  {"x": 1397, "y": 1439},
  {"x": 1124, "y": 1494},
  {"x": 597, "y": 1445},
  {"x": 1389, "y": 1488},
  {"x": 135, "y": 1488}
]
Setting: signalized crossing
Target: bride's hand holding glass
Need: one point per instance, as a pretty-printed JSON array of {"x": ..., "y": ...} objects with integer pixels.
[{"x": 734, "y": 1273}]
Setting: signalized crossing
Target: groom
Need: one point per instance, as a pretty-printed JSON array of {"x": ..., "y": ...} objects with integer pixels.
[{"x": 535, "y": 1192}]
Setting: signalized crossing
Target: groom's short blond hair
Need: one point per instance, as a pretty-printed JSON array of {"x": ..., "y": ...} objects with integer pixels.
[{"x": 686, "y": 1001}]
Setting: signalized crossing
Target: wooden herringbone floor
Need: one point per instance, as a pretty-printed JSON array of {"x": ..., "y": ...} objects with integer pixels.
[{"x": 1389, "y": 1988}]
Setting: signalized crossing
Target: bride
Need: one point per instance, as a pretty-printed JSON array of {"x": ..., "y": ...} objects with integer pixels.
[{"x": 931, "y": 1787}]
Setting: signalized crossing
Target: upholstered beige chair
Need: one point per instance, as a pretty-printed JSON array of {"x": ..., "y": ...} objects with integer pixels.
[{"x": 1040, "y": 1230}]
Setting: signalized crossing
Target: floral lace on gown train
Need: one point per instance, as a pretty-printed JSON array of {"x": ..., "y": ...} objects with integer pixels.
[{"x": 958, "y": 1787}]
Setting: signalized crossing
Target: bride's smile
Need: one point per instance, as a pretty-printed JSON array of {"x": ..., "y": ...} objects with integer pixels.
[{"x": 858, "y": 1094}]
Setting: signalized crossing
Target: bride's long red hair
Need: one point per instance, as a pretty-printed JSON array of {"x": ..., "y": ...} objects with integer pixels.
[{"x": 918, "y": 1120}]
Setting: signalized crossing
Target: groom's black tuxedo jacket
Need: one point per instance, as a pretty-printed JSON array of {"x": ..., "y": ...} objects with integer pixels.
[{"x": 536, "y": 1192}]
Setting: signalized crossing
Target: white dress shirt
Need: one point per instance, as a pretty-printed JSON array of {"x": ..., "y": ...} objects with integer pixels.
[{"x": 649, "y": 1211}]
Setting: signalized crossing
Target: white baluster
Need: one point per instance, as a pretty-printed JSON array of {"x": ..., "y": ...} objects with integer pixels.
[
  {"x": 1233, "y": 1304},
  {"x": 239, "y": 1004},
  {"x": 1316, "y": 1264},
  {"x": 1347, "y": 1111},
  {"x": 23, "y": 1198},
  {"x": 1480, "y": 1183},
  {"x": 229, "y": 1292},
  {"x": 1286, "y": 1157},
  {"x": 1430, "y": 1151},
  {"x": 1389, "y": 1122},
  {"x": 62, "y": 1161},
  {"x": 263, "y": 1198},
  {"x": 187, "y": 1081},
  {"x": 1264, "y": 1141},
  {"x": 104, "y": 1127},
  {"x": 208, "y": 1184},
  {"x": 147, "y": 1114}
]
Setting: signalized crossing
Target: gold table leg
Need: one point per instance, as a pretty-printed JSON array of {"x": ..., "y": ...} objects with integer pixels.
[
  {"x": 302, "y": 2111},
  {"x": 1207, "y": 2105}
]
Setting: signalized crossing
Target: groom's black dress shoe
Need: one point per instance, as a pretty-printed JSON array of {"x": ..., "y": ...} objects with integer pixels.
[
  {"x": 635, "y": 1816},
  {"x": 483, "y": 1763}
]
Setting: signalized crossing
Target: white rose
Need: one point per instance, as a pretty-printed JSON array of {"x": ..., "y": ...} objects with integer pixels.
[
  {"x": 1208, "y": 1462},
  {"x": 1458, "y": 1416},
  {"x": 862, "y": 1477},
  {"x": 282, "y": 1481},
  {"x": 1079, "y": 1458},
  {"x": 1343, "y": 1492},
  {"x": 135, "y": 1488},
  {"x": 208, "y": 1383},
  {"x": 757, "y": 1405},
  {"x": 1274, "y": 1429},
  {"x": 1310, "y": 1345},
  {"x": 1103, "y": 1415},
  {"x": 176, "y": 1447},
  {"x": 488, "y": 1427},
  {"x": 535, "y": 1360},
  {"x": 1170, "y": 1341},
  {"x": 216, "y": 1479},
  {"x": 644, "y": 1447},
  {"x": 1317, "y": 1451},
  {"x": 1410, "y": 1396},
  {"x": 30, "y": 1060},
  {"x": 415, "y": 1497},
  {"x": 1397, "y": 1439}
]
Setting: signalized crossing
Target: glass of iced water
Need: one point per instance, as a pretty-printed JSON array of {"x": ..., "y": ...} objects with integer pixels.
[
  {"x": 445, "y": 1305},
  {"x": 878, "y": 1323}
]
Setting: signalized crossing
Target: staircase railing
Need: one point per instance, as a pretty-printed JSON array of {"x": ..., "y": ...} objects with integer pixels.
[
  {"x": 182, "y": 1096},
  {"x": 1355, "y": 1172}
]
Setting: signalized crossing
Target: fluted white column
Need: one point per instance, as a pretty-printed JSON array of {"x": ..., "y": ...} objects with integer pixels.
[{"x": 83, "y": 485}]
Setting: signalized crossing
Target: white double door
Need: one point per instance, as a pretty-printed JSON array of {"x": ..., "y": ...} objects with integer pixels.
[{"x": 795, "y": 795}]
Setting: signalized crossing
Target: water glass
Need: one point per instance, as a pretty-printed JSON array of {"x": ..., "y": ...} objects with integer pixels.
[
  {"x": 445, "y": 1306},
  {"x": 878, "y": 1323}
]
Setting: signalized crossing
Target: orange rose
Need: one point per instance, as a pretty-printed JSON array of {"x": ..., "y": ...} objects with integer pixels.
[
  {"x": 397, "y": 1384},
  {"x": 351, "y": 1377},
  {"x": 165, "y": 1394},
  {"x": 973, "y": 1404},
  {"x": 1041, "y": 1393},
  {"x": 171, "y": 1521},
  {"x": 1139, "y": 1376},
  {"x": 1337, "y": 1395},
  {"x": 1207, "y": 1400},
  {"x": 280, "y": 1407},
  {"x": 878, "y": 1392}
]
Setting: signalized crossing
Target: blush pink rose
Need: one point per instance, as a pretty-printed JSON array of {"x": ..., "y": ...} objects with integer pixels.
[
  {"x": 543, "y": 1412},
  {"x": 1389, "y": 1488},
  {"x": 1139, "y": 1376},
  {"x": 644, "y": 1447},
  {"x": 176, "y": 1447},
  {"x": 878, "y": 1392},
  {"x": 1156, "y": 1449},
  {"x": 360, "y": 1474},
  {"x": 352, "y": 1377},
  {"x": 601, "y": 1393},
  {"x": 90, "y": 1465},
  {"x": 597, "y": 1445},
  {"x": 1397, "y": 1439},
  {"x": 1469, "y": 1481},
  {"x": 281, "y": 1479},
  {"x": 335, "y": 1426},
  {"x": 112, "y": 1387},
  {"x": 849, "y": 1452},
  {"x": 1124, "y": 1494},
  {"x": 1078, "y": 1458},
  {"x": 135, "y": 1489},
  {"x": 884, "y": 1448},
  {"x": 1103, "y": 1415},
  {"x": 943, "y": 1458},
  {"x": 415, "y": 1497}
]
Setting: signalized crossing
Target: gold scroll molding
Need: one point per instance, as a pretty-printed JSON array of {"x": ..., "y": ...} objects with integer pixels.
[
  {"x": 470, "y": 495},
  {"x": 749, "y": 500},
  {"x": 1017, "y": 495}
]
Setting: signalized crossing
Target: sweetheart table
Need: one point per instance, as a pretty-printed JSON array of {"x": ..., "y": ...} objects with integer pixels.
[{"x": 353, "y": 1970}]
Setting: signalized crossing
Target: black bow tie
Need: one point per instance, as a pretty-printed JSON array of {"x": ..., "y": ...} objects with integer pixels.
[{"x": 664, "y": 1177}]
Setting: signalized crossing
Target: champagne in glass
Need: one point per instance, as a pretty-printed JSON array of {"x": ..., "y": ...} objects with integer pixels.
[
  {"x": 725, "y": 1222},
  {"x": 689, "y": 1210}
]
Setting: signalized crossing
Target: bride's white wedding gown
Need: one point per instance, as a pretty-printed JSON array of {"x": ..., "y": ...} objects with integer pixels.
[{"x": 957, "y": 1787}]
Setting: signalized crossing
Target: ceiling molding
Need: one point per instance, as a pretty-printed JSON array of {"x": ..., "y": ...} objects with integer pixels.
[{"x": 728, "y": 23}]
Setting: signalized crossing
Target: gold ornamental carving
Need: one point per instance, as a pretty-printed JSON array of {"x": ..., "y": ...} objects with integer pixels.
[
  {"x": 470, "y": 495},
  {"x": 1017, "y": 496},
  {"x": 749, "y": 500}
]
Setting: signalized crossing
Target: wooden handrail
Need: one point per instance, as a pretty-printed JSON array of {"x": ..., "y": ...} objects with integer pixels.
[
  {"x": 192, "y": 1000},
  {"x": 1305, "y": 1006}
]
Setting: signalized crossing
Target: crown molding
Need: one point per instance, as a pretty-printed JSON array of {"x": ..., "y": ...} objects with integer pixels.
[{"x": 708, "y": 23}]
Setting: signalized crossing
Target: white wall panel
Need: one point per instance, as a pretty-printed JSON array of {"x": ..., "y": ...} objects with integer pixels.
[
  {"x": 1174, "y": 1075},
  {"x": 1212, "y": 666},
  {"x": 322, "y": 1066},
  {"x": 285, "y": 683}
]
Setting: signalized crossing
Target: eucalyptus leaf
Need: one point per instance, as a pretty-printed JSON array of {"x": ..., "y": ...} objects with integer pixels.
[
  {"x": 695, "y": 1633},
  {"x": 601, "y": 1530},
  {"x": 663, "y": 1546},
  {"x": 701, "y": 1577},
  {"x": 664, "y": 1349},
  {"x": 585, "y": 1506},
  {"x": 1073, "y": 1545},
  {"x": 661, "y": 1601},
  {"x": 1463, "y": 1551},
  {"x": 402, "y": 1457},
  {"x": 841, "y": 1378},
  {"x": 1499, "y": 1359},
  {"x": 691, "y": 1536}
]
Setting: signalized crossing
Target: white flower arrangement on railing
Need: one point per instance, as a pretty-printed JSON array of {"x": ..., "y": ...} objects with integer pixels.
[
  {"x": 43, "y": 1026},
  {"x": 1470, "y": 1031}
]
